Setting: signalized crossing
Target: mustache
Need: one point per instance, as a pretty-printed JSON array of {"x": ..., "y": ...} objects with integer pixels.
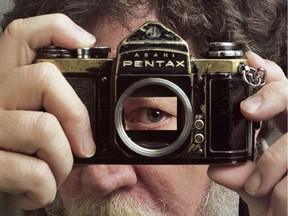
[
  {"x": 113, "y": 205},
  {"x": 218, "y": 201}
]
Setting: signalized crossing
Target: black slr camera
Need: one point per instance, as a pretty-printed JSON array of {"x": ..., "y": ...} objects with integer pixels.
[{"x": 154, "y": 104}]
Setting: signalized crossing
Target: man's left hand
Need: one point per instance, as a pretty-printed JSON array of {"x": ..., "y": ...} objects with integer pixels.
[{"x": 262, "y": 185}]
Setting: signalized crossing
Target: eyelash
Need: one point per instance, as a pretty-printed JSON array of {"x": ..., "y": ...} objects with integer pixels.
[{"x": 139, "y": 118}]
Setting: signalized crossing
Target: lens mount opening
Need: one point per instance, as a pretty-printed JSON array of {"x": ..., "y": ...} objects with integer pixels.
[{"x": 139, "y": 148}]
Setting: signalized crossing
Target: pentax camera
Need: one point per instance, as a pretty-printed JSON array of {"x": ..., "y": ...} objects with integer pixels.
[{"x": 155, "y": 104}]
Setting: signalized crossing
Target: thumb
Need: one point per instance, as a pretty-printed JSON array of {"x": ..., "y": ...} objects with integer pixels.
[{"x": 271, "y": 100}]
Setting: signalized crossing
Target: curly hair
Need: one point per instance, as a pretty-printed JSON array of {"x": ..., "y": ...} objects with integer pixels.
[{"x": 258, "y": 25}]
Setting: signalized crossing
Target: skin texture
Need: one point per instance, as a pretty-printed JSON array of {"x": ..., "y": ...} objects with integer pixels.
[{"x": 52, "y": 136}]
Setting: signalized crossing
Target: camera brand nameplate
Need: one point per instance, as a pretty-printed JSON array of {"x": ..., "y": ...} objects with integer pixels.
[{"x": 149, "y": 49}]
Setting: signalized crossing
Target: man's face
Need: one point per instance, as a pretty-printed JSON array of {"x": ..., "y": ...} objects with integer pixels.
[{"x": 173, "y": 190}]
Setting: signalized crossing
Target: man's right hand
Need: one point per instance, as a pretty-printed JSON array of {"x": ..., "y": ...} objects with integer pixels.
[{"x": 35, "y": 146}]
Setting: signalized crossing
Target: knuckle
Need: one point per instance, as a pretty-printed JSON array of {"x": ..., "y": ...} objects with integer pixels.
[
  {"x": 47, "y": 126},
  {"x": 271, "y": 88},
  {"x": 270, "y": 159},
  {"x": 47, "y": 66},
  {"x": 59, "y": 21},
  {"x": 15, "y": 28},
  {"x": 43, "y": 180},
  {"x": 270, "y": 62},
  {"x": 284, "y": 89},
  {"x": 47, "y": 199},
  {"x": 278, "y": 89},
  {"x": 49, "y": 129},
  {"x": 46, "y": 73},
  {"x": 78, "y": 116},
  {"x": 31, "y": 202},
  {"x": 41, "y": 171}
]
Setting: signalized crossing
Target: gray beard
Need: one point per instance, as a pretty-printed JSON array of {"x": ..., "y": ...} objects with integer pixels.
[{"x": 219, "y": 201}]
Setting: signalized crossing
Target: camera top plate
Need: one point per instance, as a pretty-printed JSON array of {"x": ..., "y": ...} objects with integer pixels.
[{"x": 150, "y": 47}]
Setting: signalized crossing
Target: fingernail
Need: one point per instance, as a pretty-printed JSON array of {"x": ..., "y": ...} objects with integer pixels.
[
  {"x": 252, "y": 104},
  {"x": 253, "y": 184},
  {"x": 87, "y": 38},
  {"x": 88, "y": 145},
  {"x": 253, "y": 56}
]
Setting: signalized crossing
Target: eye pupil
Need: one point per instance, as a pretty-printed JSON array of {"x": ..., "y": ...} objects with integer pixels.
[{"x": 154, "y": 115}]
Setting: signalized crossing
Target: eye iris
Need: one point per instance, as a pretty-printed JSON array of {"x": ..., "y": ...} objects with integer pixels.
[{"x": 155, "y": 115}]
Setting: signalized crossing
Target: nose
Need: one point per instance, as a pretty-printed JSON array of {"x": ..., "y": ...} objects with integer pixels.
[{"x": 101, "y": 180}]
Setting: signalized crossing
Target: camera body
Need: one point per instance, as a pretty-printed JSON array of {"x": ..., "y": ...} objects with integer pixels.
[{"x": 154, "y": 104}]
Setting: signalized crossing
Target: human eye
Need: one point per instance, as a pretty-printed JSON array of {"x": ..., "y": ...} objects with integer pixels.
[
  {"x": 150, "y": 114},
  {"x": 146, "y": 118}
]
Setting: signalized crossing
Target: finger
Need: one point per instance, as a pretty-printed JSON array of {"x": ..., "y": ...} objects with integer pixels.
[
  {"x": 43, "y": 86},
  {"x": 27, "y": 177},
  {"x": 271, "y": 100},
  {"x": 270, "y": 169},
  {"x": 23, "y": 37},
  {"x": 229, "y": 177},
  {"x": 267, "y": 102},
  {"x": 234, "y": 178},
  {"x": 278, "y": 205},
  {"x": 274, "y": 72},
  {"x": 40, "y": 134}
]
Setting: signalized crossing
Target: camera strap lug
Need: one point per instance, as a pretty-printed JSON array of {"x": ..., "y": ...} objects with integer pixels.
[{"x": 253, "y": 77}]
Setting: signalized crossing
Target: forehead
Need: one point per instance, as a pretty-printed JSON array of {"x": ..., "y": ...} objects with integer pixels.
[{"x": 111, "y": 32}]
